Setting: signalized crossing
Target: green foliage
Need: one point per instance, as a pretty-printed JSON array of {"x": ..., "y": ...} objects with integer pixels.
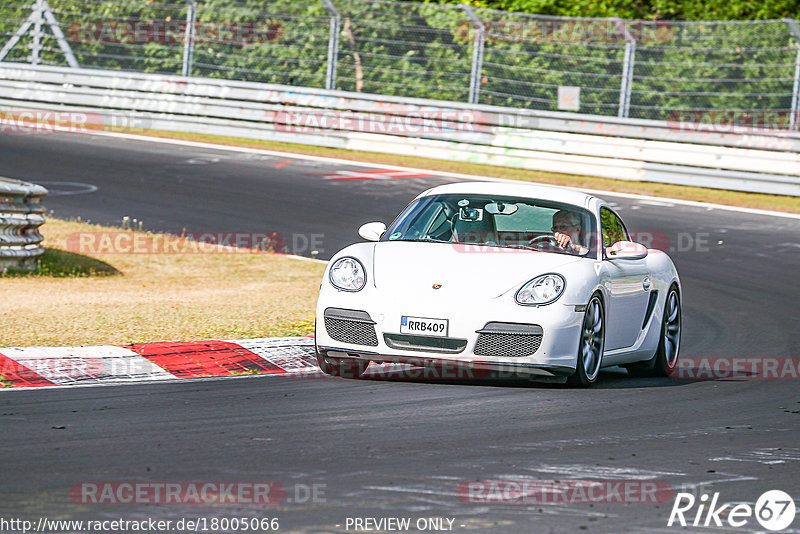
[
  {"x": 403, "y": 49},
  {"x": 704, "y": 10},
  {"x": 425, "y": 50}
]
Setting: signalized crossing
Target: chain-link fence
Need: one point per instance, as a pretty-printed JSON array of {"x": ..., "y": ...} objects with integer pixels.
[{"x": 640, "y": 69}]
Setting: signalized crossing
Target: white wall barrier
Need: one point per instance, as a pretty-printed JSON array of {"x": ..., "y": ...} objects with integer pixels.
[{"x": 687, "y": 153}]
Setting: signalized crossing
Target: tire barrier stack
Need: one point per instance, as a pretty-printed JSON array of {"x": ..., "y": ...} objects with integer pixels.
[{"x": 21, "y": 215}]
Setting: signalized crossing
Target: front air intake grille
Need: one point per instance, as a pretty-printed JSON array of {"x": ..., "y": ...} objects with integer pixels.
[
  {"x": 425, "y": 343},
  {"x": 507, "y": 345},
  {"x": 351, "y": 332},
  {"x": 508, "y": 340},
  {"x": 350, "y": 326}
]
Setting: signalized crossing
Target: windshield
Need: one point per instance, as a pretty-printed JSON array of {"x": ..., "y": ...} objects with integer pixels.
[{"x": 510, "y": 222}]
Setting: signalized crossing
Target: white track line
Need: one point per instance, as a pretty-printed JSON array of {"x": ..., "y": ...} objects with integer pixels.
[{"x": 293, "y": 155}]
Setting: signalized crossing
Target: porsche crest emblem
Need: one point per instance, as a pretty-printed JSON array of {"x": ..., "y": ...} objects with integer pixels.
[{"x": 436, "y": 286}]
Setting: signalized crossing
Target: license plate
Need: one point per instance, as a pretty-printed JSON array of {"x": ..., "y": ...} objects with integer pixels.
[{"x": 423, "y": 326}]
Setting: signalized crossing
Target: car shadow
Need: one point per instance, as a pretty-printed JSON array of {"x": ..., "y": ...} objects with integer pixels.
[{"x": 610, "y": 378}]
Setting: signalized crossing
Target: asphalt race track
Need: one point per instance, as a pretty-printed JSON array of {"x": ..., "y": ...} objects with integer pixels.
[{"x": 396, "y": 448}]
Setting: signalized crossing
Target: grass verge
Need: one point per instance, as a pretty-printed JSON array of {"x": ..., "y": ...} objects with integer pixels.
[
  {"x": 114, "y": 298},
  {"x": 57, "y": 263},
  {"x": 700, "y": 194}
]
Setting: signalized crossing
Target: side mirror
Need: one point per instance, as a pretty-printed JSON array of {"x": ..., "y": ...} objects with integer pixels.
[
  {"x": 372, "y": 231},
  {"x": 626, "y": 250}
]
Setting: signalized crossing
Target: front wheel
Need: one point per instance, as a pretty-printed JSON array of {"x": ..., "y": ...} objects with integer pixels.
[
  {"x": 344, "y": 367},
  {"x": 590, "y": 348}
]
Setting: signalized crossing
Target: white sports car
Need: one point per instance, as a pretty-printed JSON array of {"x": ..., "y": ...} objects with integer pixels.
[{"x": 524, "y": 279}]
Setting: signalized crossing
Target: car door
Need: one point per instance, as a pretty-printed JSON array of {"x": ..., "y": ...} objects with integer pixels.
[{"x": 627, "y": 285}]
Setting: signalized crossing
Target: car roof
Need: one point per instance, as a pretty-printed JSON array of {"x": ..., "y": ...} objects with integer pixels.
[{"x": 552, "y": 193}]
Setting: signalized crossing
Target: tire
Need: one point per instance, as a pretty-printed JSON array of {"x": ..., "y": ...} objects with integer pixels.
[
  {"x": 591, "y": 344},
  {"x": 665, "y": 360},
  {"x": 344, "y": 367}
]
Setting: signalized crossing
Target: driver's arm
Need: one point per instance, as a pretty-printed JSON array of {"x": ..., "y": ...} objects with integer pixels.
[{"x": 563, "y": 240}]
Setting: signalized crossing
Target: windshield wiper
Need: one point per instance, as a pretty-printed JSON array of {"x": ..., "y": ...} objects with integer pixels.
[
  {"x": 523, "y": 247},
  {"x": 536, "y": 249},
  {"x": 423, "y": 239},
  {"x": 520, "y": 247}
]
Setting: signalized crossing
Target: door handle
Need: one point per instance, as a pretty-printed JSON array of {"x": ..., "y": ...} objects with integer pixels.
[{"x": 646, "y": 283}]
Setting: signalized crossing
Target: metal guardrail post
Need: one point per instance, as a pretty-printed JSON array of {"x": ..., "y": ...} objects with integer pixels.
[
  {"x": 477, "y": 53},
  {"x": 333, "y": 46},
  {"x": 22, "y": 30},
  {"x": 59, "y": 35},
  {"x": 36, "y": 34},
  {"x": 20, "y": 219},
  {"x": 628, "y": 61},
  {"x": 188, "y": 38},
  {"x": 794, "y": 108},
  {"x": 41, "y": 13}
]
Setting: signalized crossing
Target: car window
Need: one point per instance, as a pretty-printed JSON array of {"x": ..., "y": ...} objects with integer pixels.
[
  {"x": 612, "y": 227},
  {"x": 501, "y": 221},
  {"x": 418, "y": 221},
  {"x": 532, "y": 218},
  {"x": 438, "y": 220}
]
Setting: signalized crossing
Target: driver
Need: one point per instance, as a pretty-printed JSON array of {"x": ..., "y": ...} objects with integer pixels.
[{"x": 567, "y": 231}]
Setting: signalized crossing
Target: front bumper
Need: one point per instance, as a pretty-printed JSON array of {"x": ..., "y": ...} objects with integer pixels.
[
  {"x": 457, "y": 369},
  {"x": 378, "y": 338}
]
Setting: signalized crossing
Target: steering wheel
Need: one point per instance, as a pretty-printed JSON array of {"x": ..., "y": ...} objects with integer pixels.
[{"x": 548, "y": 239}]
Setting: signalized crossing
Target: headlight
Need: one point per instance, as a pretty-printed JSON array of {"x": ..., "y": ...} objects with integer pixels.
[
  {"x": 543, "y": 289},
  {"x": 348, "y": 274}
]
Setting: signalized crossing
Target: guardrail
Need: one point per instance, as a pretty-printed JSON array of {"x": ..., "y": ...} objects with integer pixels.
[
  {"x": 765, "y": 161},
  {"x": 20, "y": 219}
]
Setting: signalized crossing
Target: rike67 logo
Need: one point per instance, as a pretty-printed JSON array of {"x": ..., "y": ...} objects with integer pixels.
[{"x": 774, "y": 510}]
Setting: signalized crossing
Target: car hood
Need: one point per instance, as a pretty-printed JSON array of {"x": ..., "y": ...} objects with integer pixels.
[{"x": 413, "y": 268}]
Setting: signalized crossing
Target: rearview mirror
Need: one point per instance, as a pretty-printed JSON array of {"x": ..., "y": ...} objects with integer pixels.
[
  {"x": 626, "y": 250},
  {"x": 372, "y": 231},
  {"x": 501, "y": 208}
]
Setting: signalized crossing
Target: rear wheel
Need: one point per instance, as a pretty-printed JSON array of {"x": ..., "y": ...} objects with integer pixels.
[
  {"x": 590, "y": 348},
  {"x": 344, "y": 367},
  {"x": 665, "y": 359}
]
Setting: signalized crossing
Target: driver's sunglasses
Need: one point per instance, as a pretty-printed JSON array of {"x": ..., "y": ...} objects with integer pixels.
[{"x": 559, "y": 227}]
